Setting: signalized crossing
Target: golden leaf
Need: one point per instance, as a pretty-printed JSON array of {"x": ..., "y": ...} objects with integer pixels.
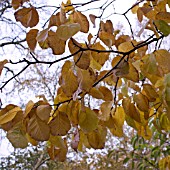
[
  {"x": 97, "y": 138},
  {"x": 31, "y": 39},
  {"x": 17, "y": 3},
  {"x": 96, "y": 93},
  {"x": 105, "y": 110},
  {"x": 78, "y": 17},
  {"x": 141, "y": 102},
  {"x": 88, "y": 120},
  {"x": 27, "y": 16},
  {"x": 107, "y": 38},
  {"x": 165, "y": 16},
  {"x": 66, "y": 31},
  {"x": 54, "y": 20},
  {"x": 107, "y": 94}
]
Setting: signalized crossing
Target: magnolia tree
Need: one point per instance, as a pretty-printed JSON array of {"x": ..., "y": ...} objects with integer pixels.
[{"x": 106, "y": 80}]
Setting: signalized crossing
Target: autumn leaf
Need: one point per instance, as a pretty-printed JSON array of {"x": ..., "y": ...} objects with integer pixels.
[
  {"x": 165, "y": 16},
  {"x": 81, "y": 19},
  {"x": 88, "y": 120},
  {"x": 17, "y": 3},
  {"x": 38, "y": 129},
  {"x": 55, "y": 43},
  {"x": 31, "y": 39},
  {"x": 66, "y": 31},
  {"x": 60, "y": 125},
  {"x": 2, "y": 63},
  {"x": 27, "y": 16},
  {"x": 17, "y": 136}
]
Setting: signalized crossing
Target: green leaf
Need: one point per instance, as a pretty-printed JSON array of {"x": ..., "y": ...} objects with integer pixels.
[{"x": 163, "y": 27}]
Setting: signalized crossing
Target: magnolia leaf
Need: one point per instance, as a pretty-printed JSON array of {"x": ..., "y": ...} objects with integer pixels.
[
  {"x": 8, "y": 116},
  {"x": 69, "y": 83},
  {"x": 93, "y": 19},
  {"x": 97, "y": 138},
  {"x": 43, "y": 112},
  {"x": 131, "y": 110},
  {"x": 27, "y": 16},
  {"x": 105, "y": 110},
  {"x": 60, "y": 125},
  {"x": 57, "y": 149},
  {"x": 165, "y": 16},
  {"x": 66, "y": 31},
  {"x": 88, "y": 120},
  {"x": 2, "y": 63},
  {"x": 17, "y": 136},
  {"x": 78, "y": 17},
  {"x": 163, "y": 58},
  {"x": 31, "y": 39},
  {"x": 163, "y": 27},
  {"x": 100, "y": 58},
  {"x": 141, "y": 102},
  {"x": 38, "y": 129},
  {"x": 55, "y": 43},
  {"x": 17, "y": 3}
]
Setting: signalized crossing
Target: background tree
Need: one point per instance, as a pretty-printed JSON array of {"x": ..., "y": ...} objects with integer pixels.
[{"x": 107, "y": 79}]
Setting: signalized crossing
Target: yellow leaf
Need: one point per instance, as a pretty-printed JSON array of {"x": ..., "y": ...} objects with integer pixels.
[
  {"x": 57, "y": 149},
  {"x": 126, "y": 46},
  {"x": 86, "y": 78},
  {"x": 9, "y": 115},
  {"x": 105, "y": 110},
  {"x": 69, "y": 83},
  {"x": 163, "y": 58},
  {"x": 57, "y": 45},
  {"x": 17, "y": 136},
  {"x": 43, "y": 112},
  {"x": 38, "y": 129},
  {"x": 88, "y": 120},
  {"x": 100, "y": 58},
  {"x": 28, "y": 108},
  {"x": 96, "y": 93},
  {"x": 150, "y": 92},
  {"x": 135, "y": 9},
  {"x": 68, "y": 6},
  {"x": 141, "y": 102},
  {"x": 164, "y": 163},
  {"x": 66, "y": 31},
  {"x": 27, "y": 16},
  {"x": 97, "y": 138},
  {"x": 118, "y": 116},
  {"x": 78, "y": 17},
  {"x": 107, "y": 94},
  {"x": 107, "y": 38},
  {"x": 131, "y": 110},
  {"x": 60, "y": 125},
  {"x": 116, "y": 131},
  {"x": 2, "y": 63},
  {"x": 31, "y": 140},
  {"x": 31, "y": 39}
]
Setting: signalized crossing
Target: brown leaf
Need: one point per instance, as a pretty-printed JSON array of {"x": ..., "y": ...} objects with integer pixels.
[
  {"x": 60, "y": 125},
  {"x": 27, "y": 16},
  {"x": 92, "y": 19},
  {"x": 17, "y": 3},
  {"x": 38, "y": 129},
  {"x": 54, "y": 20},
  {"x": 78, "y": 17},
  {"x": 31, "y": 39},
  {"x": 2, "y": 63},
  {"x": 107, "y": 94},
  {"x": 57, "y": 45}
]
